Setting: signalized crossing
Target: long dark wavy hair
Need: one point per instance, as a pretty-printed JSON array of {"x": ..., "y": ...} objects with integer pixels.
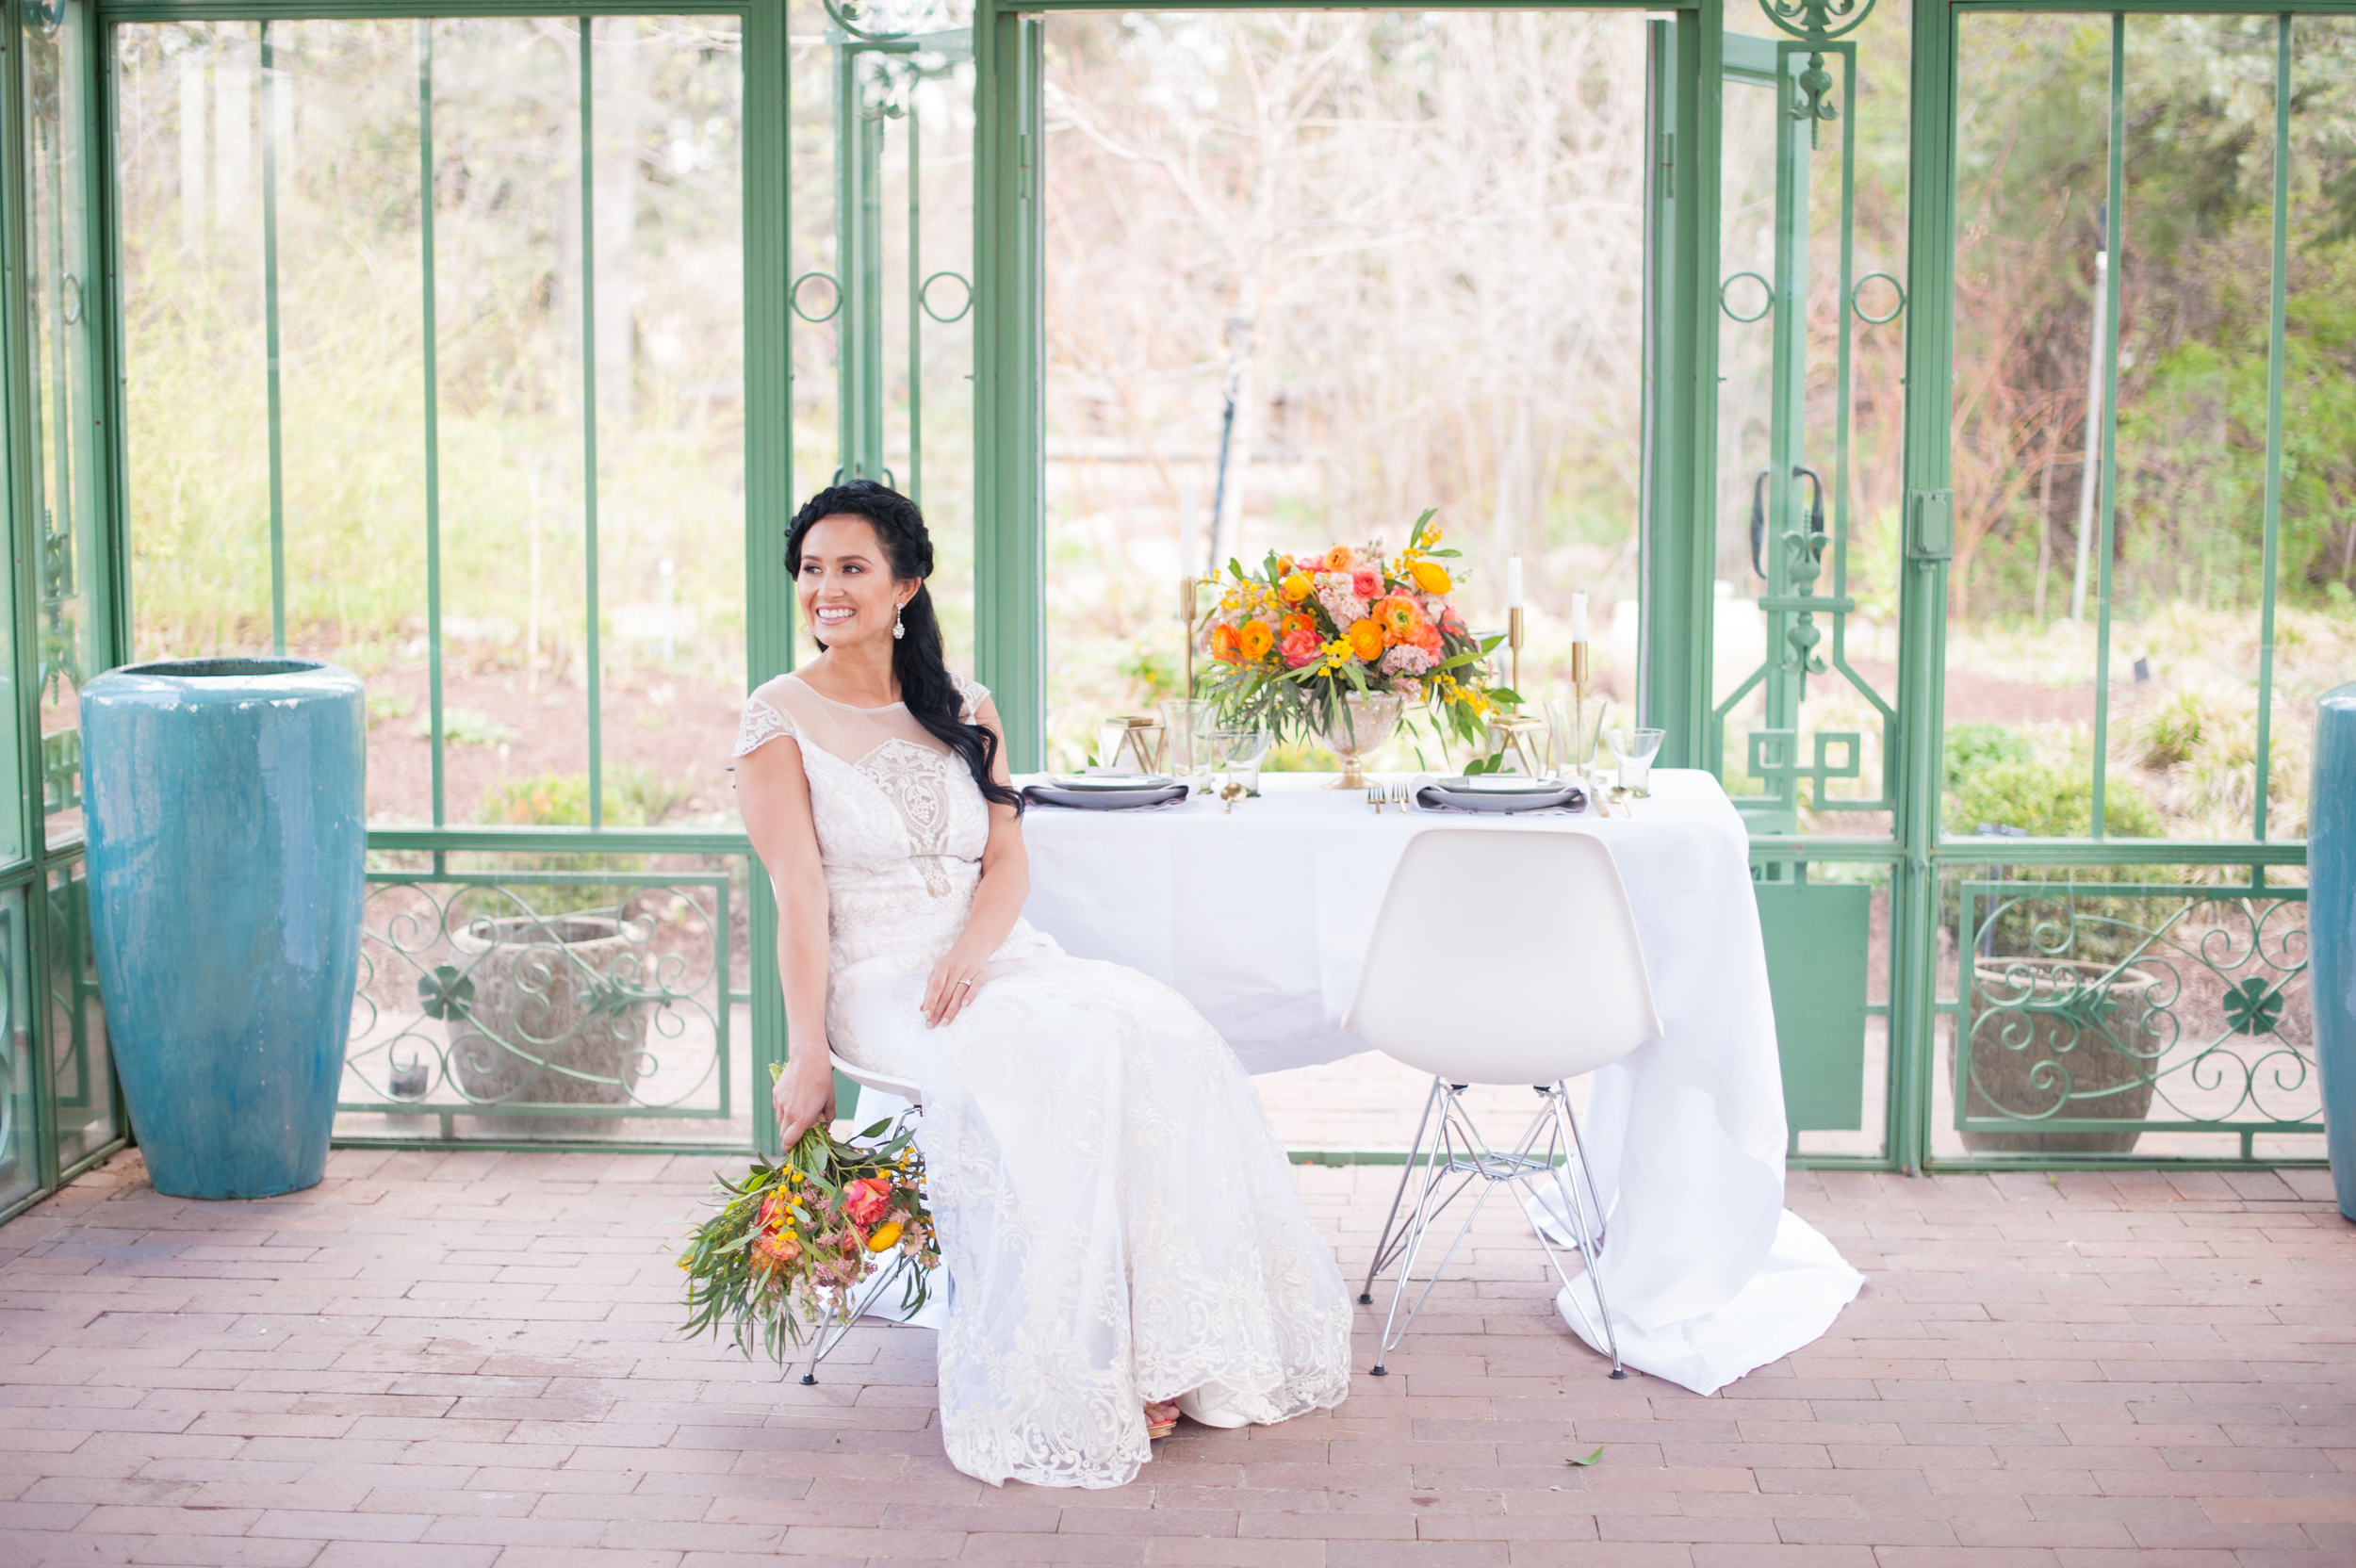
[{"x": 917, "y": 661}]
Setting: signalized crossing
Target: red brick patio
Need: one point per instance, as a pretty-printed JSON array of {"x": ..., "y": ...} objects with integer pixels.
[{"x": 464, "y": 1360}]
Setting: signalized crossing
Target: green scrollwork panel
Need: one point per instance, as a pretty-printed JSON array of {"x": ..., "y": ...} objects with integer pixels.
[
  {"x": 581, "y": 994},
  {"x": 2095, "y": 1014}
]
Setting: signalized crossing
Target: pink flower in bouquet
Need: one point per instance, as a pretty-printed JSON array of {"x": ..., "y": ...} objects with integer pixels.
[
  {"x": 774, "y": 1250},
  {"x": 1302, "y": 647},
  {"x": 1334, "y": 593},
  {"x": 1406, "y": 659},
  {"x": 1367, "y": 583},
  {"x": 866, "y": 1198}
]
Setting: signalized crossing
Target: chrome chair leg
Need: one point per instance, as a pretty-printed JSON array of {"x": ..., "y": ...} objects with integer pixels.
[
  {"x": 1381, "y": 1253},
  {"x": 1588, "y": 1233},
  {"x": 832, "y": 1335}
]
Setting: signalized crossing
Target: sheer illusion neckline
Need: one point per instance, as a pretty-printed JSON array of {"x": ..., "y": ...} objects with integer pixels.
[{"x": 795, "y": 677}]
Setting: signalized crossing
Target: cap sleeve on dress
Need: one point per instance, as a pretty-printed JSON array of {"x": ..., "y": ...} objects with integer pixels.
[
  {"x": 974, "y": 693},
  {"x": 763, "y": 724}
]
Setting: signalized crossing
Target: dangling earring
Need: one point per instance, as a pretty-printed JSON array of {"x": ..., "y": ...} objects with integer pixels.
[{"x": 898, "y": 631}]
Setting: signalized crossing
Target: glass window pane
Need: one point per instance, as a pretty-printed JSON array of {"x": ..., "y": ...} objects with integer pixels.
[
  {"x": 80, "y": 1066},
  {"x": 1422, "y": 284},
  {"x": 20, "y": 1160},
  {"x": 73, "y": 640},
  {"x": 290, "y": 198}
]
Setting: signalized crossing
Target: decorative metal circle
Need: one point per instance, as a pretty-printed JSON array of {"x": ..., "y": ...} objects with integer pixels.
[
  {"x": 69, "y": 304},
  {"x": 1859, "y": 287},
  {"x": 50, "y": 14},
  {"x": 925, "y": 297},
  {"x": 794, "y": 296},
  {"x": 1733, "y": 314}
]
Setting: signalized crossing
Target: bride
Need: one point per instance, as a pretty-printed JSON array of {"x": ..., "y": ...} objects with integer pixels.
[{"x": 1120, "y": 1228}]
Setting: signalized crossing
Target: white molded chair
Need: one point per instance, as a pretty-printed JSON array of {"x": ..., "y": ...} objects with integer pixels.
[
  {"x": 830, "y": 1334},
  {"x": 1499, "y": 958}
]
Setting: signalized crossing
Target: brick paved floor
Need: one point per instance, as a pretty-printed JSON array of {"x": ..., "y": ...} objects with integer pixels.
[{"x": 468, "y": 1358}]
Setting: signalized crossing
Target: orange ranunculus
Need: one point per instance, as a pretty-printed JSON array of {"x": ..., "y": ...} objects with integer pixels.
[
  {"x": 1296, "y": 587},
  {"x": 1255, "y": 639},
  {"x": 1303, "y": 646},
  {"x": 866, "y": 1198},
  {"x": 1225, "y": 646},
  {"x": 1365, "y": 641},
  {"x": 1426, "y": 637},
  {"x": 1339, "y": 558},
  {"x": 773, "y": 1251},
  {"x": 882, "y": 1236},
  {"x": 1296, "y": 623},
  {"x": 1397, "y": 615},
  {"x": 1431, "y": 576}
]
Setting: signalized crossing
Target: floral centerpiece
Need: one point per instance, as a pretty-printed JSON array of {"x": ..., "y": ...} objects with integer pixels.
[
  {"x": 794, "y": 1240},
  {"x": 1291, "y": 643}
]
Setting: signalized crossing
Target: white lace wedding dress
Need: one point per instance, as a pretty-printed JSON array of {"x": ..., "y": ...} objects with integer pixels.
[{"x": 1117, "y": 1219}]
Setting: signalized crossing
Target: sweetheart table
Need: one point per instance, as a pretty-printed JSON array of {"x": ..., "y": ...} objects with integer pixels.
[{"x": 1259, "y": 917}]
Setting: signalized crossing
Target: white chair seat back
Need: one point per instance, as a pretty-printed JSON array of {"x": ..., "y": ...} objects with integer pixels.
[
  {"x": 1505, "y": 959},
  {"x": 882, "y": 1082}
]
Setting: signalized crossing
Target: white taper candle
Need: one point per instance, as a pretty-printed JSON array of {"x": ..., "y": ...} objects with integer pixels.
[
  {"x": 1514, "y": 584},
  {"x": 1579, "y": 617}
]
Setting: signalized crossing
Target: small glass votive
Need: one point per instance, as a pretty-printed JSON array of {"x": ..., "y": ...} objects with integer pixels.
[
  {"x": 1187, "y": 725},
  {"x": 1239, "y": 753},
  {"x": 1635, "y": 750}
]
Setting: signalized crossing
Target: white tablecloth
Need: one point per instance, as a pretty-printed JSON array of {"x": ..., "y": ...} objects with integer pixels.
[{"x": 1259, "y": 918}]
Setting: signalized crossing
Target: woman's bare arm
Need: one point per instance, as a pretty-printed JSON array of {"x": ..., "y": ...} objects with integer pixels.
[
  {"x": 997, "y": 903},
  {"x": 772, "y": 792}
]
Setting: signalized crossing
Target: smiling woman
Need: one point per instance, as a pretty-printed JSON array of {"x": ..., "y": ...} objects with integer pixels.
[{"x": 1120, "y": 1222}]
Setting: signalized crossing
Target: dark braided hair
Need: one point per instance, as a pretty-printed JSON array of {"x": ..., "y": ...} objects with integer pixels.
[{"x": 917, "y": 662}]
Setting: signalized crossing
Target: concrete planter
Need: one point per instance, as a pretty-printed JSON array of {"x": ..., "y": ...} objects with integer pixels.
[
  {"x": 552, "y": 1019},
  {"x": 2065, "y": 1025}
]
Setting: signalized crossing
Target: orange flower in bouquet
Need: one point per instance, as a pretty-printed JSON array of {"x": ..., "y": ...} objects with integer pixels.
[
  {"x": 793, "y": 1241},
  {"x": 1288, "y": 642}
]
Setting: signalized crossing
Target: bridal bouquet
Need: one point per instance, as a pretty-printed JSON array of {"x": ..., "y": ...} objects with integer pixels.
[
  {"x": 1289, "y": 642},
  {"x": 794, "y": 1240}
]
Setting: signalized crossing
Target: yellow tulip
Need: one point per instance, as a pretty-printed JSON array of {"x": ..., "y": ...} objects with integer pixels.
[
  {"x": 1433, "y": 577},
  {"x": 1296, "y": 587},
  {"x": 883, "y": 1235}
]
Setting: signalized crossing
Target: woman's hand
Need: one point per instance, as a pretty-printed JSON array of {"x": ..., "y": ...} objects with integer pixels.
[
  {"x": 954, "y": 980},
  {"x": 803, "y": 1096}
]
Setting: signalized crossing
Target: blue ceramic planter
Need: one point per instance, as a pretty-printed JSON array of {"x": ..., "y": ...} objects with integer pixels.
[
  {"x": 227, "y": 842},
  {"x": 2331, "y": 928}
]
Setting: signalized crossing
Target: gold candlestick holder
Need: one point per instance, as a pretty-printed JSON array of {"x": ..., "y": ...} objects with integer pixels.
[
  {"x": 1186, "y": 613},
  {"x": 1517, "y": 732}
]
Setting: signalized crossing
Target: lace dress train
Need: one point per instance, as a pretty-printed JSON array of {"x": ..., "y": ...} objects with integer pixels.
[{"x": 1117, "y": 1219}]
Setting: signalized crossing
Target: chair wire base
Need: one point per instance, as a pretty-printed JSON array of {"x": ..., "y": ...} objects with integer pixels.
[{"x": 1458, "y": 1156}]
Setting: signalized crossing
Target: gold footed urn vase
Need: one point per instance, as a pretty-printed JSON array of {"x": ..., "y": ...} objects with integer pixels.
[{"x": 1360, "y": 722}]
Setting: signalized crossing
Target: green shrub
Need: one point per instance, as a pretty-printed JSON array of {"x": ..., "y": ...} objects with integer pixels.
[
  {"x": 1973, "y": 747},
  {"x": 559, "y": 800},
  {"x": 2047, "y": 802}
]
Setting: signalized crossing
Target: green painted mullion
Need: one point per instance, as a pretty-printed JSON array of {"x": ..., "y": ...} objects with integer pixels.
[
  {"x": 112, "y": 11},
  {"x": 270, "y": 333},
  {"x": 2275, "y": 333},
  {"x": 593, "y": 656},
  {"x": 2115, "y": 227},
  {"x": 1009, "y": 561},
  {"x": 433, "y": 415},
  {"x": 768, "y": 478},
  {"x": 1922, "y": 593}
]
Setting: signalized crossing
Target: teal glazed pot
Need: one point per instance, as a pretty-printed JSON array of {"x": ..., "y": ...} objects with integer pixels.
[
  {"x": 227, "y": 845},
  {"x": 2332, "y": 928}
]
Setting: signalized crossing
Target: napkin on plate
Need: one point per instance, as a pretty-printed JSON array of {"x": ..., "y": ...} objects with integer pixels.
[
  {"x": 1075, "y": 800},
  {"x": 1421, "y": 797}
]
